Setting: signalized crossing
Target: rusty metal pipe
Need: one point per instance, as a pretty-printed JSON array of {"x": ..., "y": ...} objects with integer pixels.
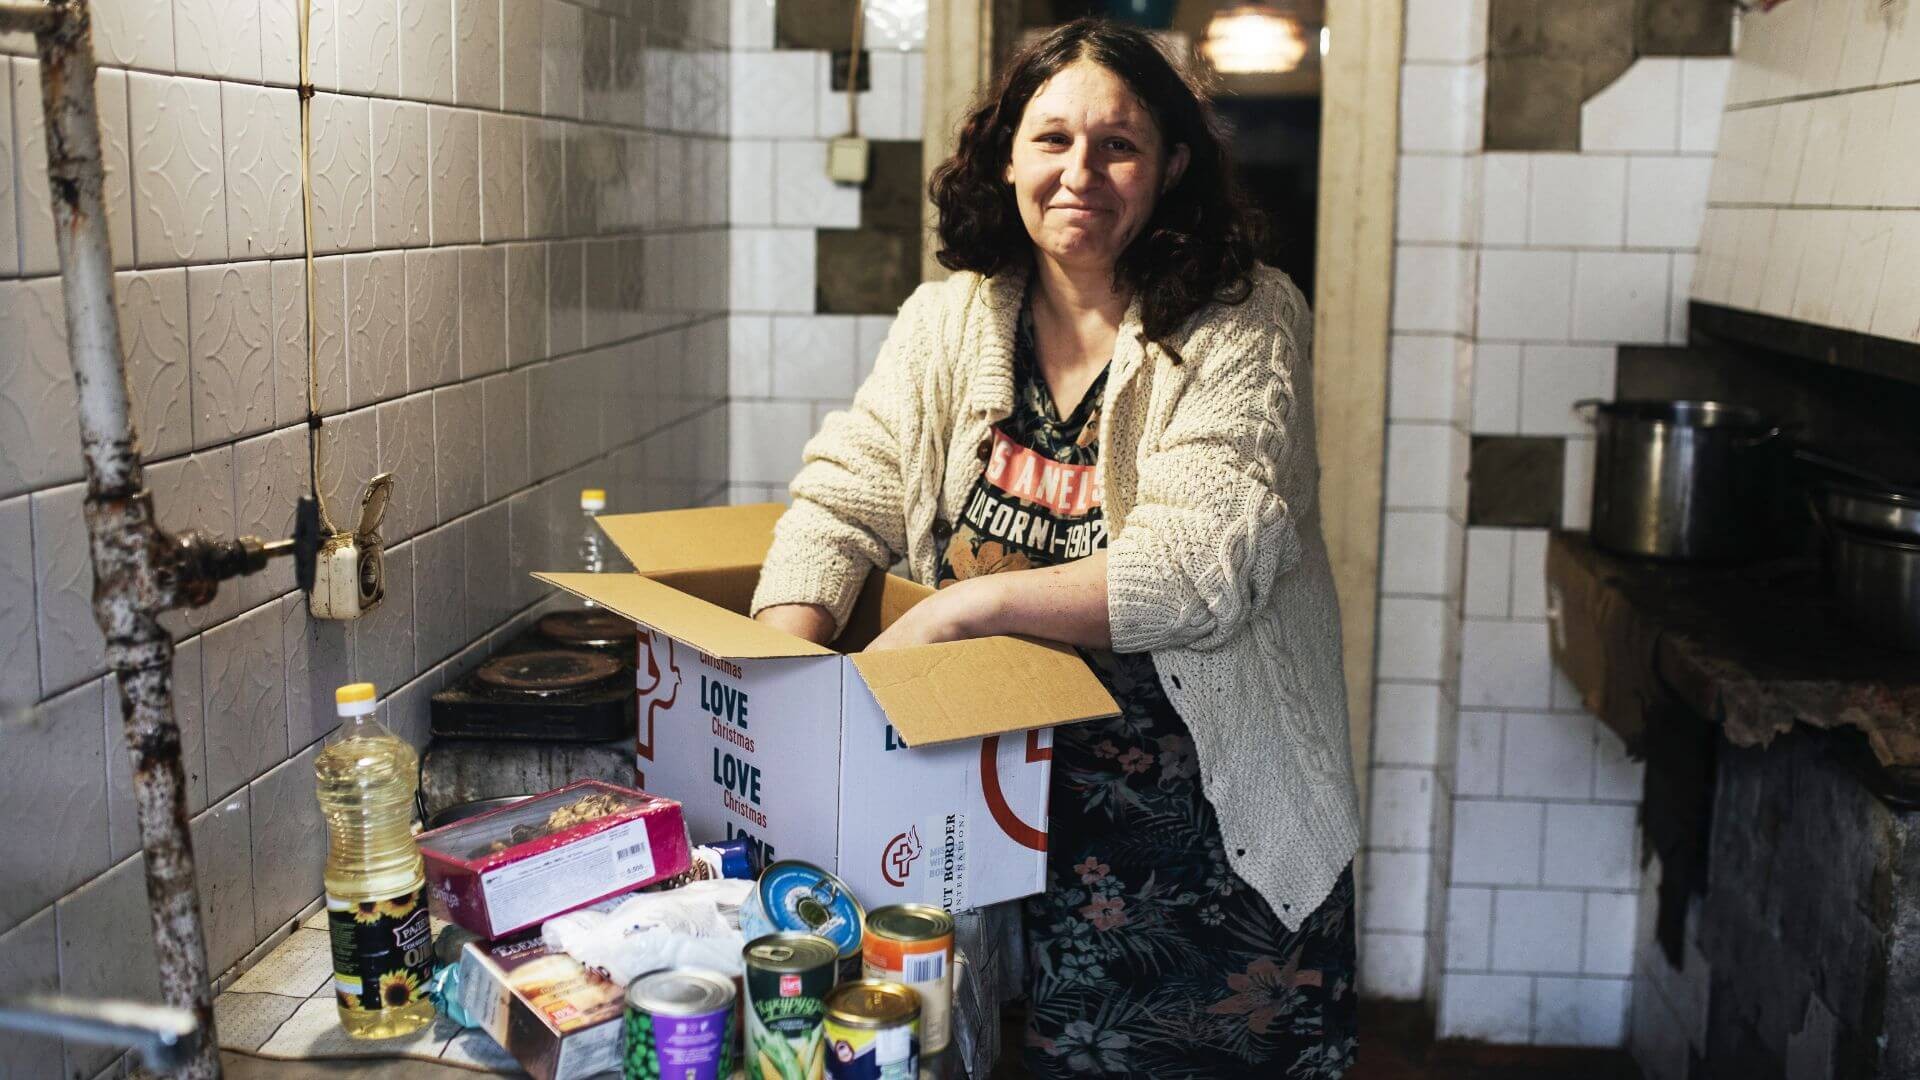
[{"x": 137, "y": 569}]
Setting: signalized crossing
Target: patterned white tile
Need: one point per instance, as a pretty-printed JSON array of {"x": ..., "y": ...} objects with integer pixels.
[
  {"x": 71, "y": 649},
  {"x": 459, "y": 452},
  {"x": 803, "y": 193},
  {"x": 426, "y": 50},
  {"x": 369, "y": 47},
  {"x": 596, "y": 67},
  {"x": 134, "y": 33},
  {"x": 627, "y": 98},
  {"x": 330, "y": 332},
  {"x": 218, "y": 38},
  {"x": 453, "y": 160},
  {"x": 376, "y": 328},
  {"x": 342, "y": 173},
  {"x": 433, "y": 317},
  {"x": 566, "y": 297},
  {"x": 289, "y": 844},
  {"x": 179, "y": 185},
  {"x": 323, "y": 43},
  {"x": 526, "y": 303},
  {"x": 503, "y": 178},
  {"x": 289, "y": 342},
  {"x": 520, "y": 56},
  {"x": 546, "y": 193},
  {"x": 440, "y": 594},
  {"x": 406, "y": 450},
  {"x": 224, "y": 875},
  {"x": 230, "y": 312},
  {"x": 483, "y": 311},
  {"x": 19, "y": 642},
  {"x": 35, "y": 200},
  {"x": 153, "y": 337},
  {"x": 39, "y": 430},
  {"x": 270, "y": 476},
  {"x": 476, "y": 52},
  {"x": 400, "y": 188},
  {"x": 9, "y": 153},
  {"x": 117, "y": 156},
  {"x": 504, "y": 407},
  {"x": 246, "y": 700},
  {"x": 106, "y": 938},
  {"x": 53, "y": 773},
  {"x": 383, "y": 638},
  {"x": 561, "y": 80},
  {"x": 262, "y": 126},
  {"x": 280, "y": 41}
]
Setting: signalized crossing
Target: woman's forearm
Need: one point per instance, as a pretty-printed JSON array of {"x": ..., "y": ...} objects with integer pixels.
[{"x": 1065, "y": 603}]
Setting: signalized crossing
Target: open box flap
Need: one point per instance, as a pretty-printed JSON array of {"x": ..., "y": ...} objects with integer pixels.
[
  {"x": 704, "y": 538},
  {"x": 988, "y": 686},
  {"x": 711, "y": 629}
]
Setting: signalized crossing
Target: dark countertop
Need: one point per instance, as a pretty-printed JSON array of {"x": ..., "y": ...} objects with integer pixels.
[{"x": 1754, "y": 649}]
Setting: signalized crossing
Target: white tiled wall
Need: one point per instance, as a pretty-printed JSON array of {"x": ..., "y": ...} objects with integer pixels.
[
  {"x": 791, "y": 366},
  {"x": 1814, "y": 203},
  {"x": 1517, "y": 276},
  {"x": 557, "y": 176}
]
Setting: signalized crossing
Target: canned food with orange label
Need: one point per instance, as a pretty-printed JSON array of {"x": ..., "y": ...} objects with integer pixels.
[{"x": 913, "y": 944}]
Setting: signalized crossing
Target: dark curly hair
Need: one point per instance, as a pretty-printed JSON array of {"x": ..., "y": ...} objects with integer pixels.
[{"x": 1203, "y": 239}]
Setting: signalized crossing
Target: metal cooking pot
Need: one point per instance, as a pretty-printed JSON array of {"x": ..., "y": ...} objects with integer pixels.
[
  {"x": 1684, "y": 480},
  {"x": 1886, "y": 513},
  {"x": 1876, "y": 578}
]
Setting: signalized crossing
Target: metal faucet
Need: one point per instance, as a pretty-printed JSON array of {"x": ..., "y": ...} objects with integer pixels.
[{"x": 164, "y": 1037}]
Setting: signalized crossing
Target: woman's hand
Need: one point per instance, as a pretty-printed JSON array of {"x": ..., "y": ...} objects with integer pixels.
[
  {"x": 809, "y": 621},
  {"x": 964, "y": 609}
]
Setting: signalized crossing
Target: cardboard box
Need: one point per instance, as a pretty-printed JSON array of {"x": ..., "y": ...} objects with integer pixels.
[
  {"x": 557, "y": 1017},
  {"x": 508, "y": 869},
  {"x": 915, "y": 774}
]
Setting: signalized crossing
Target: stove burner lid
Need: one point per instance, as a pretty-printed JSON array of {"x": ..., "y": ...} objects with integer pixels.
[
  {"x": 547, "y": 672},
  {"x": 594, "y": 627}
]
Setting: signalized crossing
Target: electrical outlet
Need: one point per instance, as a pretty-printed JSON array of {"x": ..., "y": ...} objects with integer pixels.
[
  {"x": 847, "y": 160},
  {"x": 350, "y": 575}
]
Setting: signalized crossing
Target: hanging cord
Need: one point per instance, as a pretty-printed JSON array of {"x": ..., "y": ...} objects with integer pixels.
[
  {"x": 306, "y": 221},
  {"x": 853, "y": 68}
]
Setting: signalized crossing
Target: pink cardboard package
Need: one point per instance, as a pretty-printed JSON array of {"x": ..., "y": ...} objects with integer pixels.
[{"x": 517, "y": 866}]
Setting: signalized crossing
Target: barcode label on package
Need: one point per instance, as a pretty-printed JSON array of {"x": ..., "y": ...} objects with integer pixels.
[
  {"x": 925, "y": 967},
  {"x": 530, "y": 889}
]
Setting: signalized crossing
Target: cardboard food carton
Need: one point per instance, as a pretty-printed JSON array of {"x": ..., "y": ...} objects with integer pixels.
[
  {"x": 559, "y": 1018},
  {"x": 514, "y": 867},
  {"x": 914, "y": 774}
]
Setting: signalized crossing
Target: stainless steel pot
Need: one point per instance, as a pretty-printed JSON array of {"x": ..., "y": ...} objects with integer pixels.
[
  {"x": 1684, "y": 480},
  {"x": 1877, "y": 580},
  {"x": 1886, "y": 513}
]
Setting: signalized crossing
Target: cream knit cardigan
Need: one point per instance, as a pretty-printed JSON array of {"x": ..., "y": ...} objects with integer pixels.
[{"x": 1215, "y": 562}]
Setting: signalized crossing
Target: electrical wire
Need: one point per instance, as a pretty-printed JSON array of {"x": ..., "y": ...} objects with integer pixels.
[
  {"x": 853, "y": 68},
  {"x": 306, "y": 220}
]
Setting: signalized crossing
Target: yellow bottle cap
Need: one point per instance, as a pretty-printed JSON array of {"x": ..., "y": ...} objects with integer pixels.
[
  {"x": 354, "y": 699},
  {"x": 596, "y": 496}
]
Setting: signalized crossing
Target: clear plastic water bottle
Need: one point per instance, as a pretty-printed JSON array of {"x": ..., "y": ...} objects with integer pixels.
[{"x": 597, "y": 553}]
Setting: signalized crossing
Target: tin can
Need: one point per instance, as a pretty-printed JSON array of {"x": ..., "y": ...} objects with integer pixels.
[
  {"x": 873, "y": 1031},
  {"x": 679, "y": 1026},
  {"x": 913, "y": 944},
  {"x": 802, "y": 898},
  {"x": 787, "y": 979}
]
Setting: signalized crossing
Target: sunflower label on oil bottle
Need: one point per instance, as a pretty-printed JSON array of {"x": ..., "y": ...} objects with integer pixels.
[{"x": 382, "y": 950}]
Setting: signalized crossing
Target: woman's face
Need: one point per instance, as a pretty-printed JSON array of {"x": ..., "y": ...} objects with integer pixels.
[{"x": 1088, "y": 164}]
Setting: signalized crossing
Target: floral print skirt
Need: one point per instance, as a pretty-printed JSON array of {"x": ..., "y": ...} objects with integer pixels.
[{"x": 1148, "y": 955}]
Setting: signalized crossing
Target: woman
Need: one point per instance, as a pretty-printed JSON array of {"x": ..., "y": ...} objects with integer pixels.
[{"x": 1099, "y": 431}]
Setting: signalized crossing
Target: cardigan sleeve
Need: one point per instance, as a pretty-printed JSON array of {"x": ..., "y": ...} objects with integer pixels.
[
  {"x": 848, "y": 510},
  {"x": 1210, "y": 531}
]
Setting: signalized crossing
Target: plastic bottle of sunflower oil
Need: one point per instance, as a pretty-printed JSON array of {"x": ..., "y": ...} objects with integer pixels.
[{"x": 376, "y": 888}]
